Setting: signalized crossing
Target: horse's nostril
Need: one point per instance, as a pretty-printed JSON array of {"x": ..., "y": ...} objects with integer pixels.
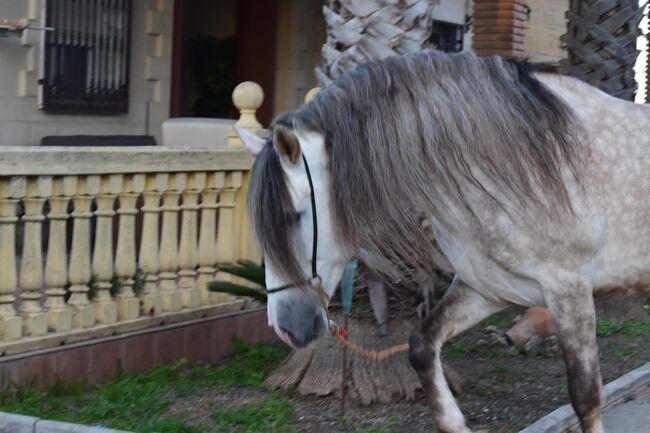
[
  {"x": 318, "y": 327},
  {"x": 289, "y": 335}
]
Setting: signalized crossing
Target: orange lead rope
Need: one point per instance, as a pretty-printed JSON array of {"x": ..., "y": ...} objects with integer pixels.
[
  {"x": 341, "y": 334},
  {"x": 376, "y": 355}
]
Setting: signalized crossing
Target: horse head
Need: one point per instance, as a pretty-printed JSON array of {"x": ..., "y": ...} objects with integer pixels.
[{"x": 289, "y": 206}]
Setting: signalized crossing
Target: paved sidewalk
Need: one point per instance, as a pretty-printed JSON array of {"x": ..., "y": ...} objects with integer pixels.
[{"x": 632, "y": 416}]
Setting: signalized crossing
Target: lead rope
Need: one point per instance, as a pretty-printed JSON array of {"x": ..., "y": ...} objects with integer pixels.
[{"x": 341, "y": 335}]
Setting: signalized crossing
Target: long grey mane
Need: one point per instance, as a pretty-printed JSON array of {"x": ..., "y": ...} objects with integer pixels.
[{"x": 404, "y": 131}]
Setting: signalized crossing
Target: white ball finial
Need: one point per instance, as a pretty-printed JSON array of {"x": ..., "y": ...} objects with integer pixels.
[
  {"x": 310, "y": 95},
  {"x": 248, "y": 97}
]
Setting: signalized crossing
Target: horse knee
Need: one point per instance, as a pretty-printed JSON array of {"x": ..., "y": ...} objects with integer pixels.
[{"x": 421, "y": 350}]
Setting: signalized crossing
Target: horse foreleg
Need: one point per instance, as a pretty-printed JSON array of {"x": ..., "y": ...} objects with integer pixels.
[
  {"x": 460, "y": 308},
  {"x": 575, "y": 318}
]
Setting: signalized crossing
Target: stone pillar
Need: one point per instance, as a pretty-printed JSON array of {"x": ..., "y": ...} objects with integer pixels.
[
  {"x": 499, "y": 27},
  {"x": 11, "y": 189},
  {"x": 208, "y": 238},
  {"x": 150, "y": 296},
  {"x": 189, "y": 241},
  {"x": 31, "y": 264},
  {"x": 79, "y": 270},
  {"x": 128, "y": 306},
  {"x": 171, "y": 296},
  {"x": 59, "y": 315},
  {"x": 105, "y": 307}
]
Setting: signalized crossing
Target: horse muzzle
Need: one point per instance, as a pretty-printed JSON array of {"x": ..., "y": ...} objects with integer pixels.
[{"x": 299, "y": 323}]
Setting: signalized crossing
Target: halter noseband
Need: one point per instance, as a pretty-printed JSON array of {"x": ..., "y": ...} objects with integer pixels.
[{"x": 315, "y": 280}]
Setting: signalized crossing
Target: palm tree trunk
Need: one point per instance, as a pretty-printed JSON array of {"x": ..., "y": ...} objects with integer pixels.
[
  {"x": 363, "y": 30},
  {"x": 601, "y": 40}
]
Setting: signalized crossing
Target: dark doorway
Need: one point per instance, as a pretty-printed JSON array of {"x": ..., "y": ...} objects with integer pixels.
[{"x": 218, "y": 44}]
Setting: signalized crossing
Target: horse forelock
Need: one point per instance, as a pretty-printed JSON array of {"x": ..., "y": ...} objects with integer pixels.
[
  {"x": 272, "y": 214},
  {"x": 401, "y": 131}
]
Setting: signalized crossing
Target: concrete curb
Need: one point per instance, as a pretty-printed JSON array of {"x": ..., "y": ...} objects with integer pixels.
[
  {"x": 564, "y": 418},
  {"x": 13, "y": 423}
]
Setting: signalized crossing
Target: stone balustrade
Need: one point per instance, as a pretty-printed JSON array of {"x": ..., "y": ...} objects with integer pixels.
[{"x": 96, "y": 241}]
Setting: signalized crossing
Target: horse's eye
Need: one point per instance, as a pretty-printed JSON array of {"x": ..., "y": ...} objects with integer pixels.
[{"x": 294, "y": 218}]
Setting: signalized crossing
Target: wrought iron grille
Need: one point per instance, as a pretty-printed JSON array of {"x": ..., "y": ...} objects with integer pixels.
[
  {"x": 447, "y": 37},
  {"x": 87, "y": 56}
]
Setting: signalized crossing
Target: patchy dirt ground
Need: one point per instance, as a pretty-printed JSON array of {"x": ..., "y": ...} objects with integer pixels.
[{"x": 504, "y": 391}]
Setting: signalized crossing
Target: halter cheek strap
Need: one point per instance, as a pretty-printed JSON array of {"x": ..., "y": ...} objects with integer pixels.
[{"x": 315, "y": 279}]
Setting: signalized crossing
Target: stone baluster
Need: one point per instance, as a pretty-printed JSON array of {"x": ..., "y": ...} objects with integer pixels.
[
  {"x": 189, "y": 243},
  {"x": 227, "y": 233},
  {"x": 105, "y": 306},
  {"x": 128, "y": 305},
  {"x": 171, "y": 296},
  {"x": 59, "y": 315},
  {"x": 11, "y": 190},
  {"x": 31, "y": 264},
  {"x": 247, "y": 97},
  {"x": 155, "y": 184},
  {"x": 247, "y": 246},
  {"x": 208, "y": 240},
  {"x": 79, "y": 271}
]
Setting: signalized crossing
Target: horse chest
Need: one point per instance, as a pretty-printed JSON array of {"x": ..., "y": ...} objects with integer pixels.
[{"x": 484, "y": 274}]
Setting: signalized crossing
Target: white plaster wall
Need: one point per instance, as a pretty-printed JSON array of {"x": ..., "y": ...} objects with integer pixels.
[
  {"x": 547, "y": 24},
  {"x": 451, "y": 11},
  {"x": 455, "y": 11},
  {"x": 22, "y": 123}
]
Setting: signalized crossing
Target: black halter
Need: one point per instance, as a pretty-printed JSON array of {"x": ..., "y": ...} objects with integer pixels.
[{"x": 315, "y": 279}]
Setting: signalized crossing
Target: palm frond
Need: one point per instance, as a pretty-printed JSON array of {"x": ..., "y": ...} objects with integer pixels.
[
  {"x": 245, "y": 269},
  {"x": 237, "y": 290}
]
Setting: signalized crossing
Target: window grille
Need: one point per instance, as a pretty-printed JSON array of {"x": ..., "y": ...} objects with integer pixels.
[
  {"x": 87, "y": 56},
  {"x": 447, "y": 37}
]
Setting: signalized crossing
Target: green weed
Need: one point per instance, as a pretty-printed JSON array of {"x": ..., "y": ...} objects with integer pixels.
[
  {"x": 456, "y": 348},
  {"x": 374, "y": 429},
  {"x": 136, "y": 401},
  {"x": 271, "y": 415},
  {"x": 498, "y": 320},
  {"x": 629, "y": 329}
]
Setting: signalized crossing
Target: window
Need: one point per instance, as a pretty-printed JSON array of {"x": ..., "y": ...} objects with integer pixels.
[
  {"x": 87, "y": 56},
  {"x": 447, "y": 37}
]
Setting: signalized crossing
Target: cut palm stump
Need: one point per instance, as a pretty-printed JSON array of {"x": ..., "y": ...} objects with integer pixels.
[{"x": 316, "y": 369}]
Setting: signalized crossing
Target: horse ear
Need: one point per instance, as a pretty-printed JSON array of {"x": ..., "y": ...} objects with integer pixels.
[
  {"x": 286, "y": 143},
  {"x": 252, "y": 142}
]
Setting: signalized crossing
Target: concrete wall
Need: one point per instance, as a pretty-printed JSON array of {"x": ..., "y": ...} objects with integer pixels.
[
  {"x": 547, "y": 23},
  {"x": 22, "y": 123}
]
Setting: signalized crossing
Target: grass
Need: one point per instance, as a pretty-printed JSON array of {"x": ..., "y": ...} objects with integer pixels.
[
  {"x": 501, "y": 321},
  {"x": 373, "y": 430},
  {"x": 628, "y": 329},
  {"x": 456, "y": 348},
  {"x": 271, "y": 415},
  {"x": 136, "y": 401}
]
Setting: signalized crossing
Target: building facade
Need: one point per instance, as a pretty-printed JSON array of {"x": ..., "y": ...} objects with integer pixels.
[{"x": 124, "y": 67}]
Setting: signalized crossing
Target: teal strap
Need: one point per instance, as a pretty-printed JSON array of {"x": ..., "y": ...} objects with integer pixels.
[{"x": 347, "y": 284}]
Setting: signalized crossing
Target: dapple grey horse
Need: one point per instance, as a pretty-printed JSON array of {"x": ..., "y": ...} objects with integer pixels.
[{"x": 536, "y": 184}]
